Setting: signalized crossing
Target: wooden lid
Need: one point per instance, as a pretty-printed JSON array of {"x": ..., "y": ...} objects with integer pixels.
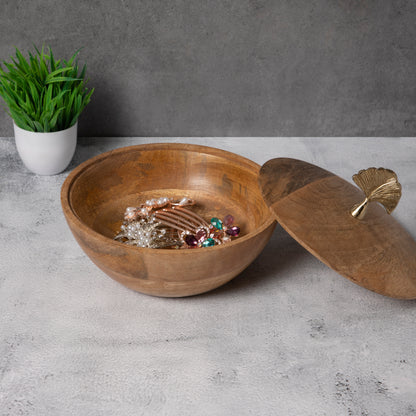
[{"x": 313, "y": 206}]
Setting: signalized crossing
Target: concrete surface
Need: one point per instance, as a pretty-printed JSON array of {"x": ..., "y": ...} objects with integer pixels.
[
  {"x": 231, "y": 68},
  {"x": 287, "y": 337}
]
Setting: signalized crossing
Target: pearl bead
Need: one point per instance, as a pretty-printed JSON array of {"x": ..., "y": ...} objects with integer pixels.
[
  {"x": 184, "y": 201},
  {"x": 163, "y": 201}
]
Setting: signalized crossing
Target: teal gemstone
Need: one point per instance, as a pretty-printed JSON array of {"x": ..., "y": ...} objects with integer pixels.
[
  {"x": 208, "y": 242},
  {"x": 217, "y": 223}
]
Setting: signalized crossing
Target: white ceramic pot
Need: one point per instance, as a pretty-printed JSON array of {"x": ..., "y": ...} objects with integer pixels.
[{"x": 46, "y": 153}]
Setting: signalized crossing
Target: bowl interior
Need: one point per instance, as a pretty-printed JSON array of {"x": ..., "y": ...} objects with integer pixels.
[{"x": 220, "y": 182}]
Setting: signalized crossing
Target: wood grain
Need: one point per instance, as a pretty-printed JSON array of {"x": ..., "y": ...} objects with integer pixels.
[
  {"x": 96, "y": 193},
  {"x": 376, "y": 252}
]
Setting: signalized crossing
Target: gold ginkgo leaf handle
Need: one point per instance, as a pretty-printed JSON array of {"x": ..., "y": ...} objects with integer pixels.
[{"x": 379, "y": 185}]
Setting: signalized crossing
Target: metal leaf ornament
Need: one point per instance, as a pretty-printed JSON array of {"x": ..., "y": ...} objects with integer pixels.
[{"x": 379, "y": 185}]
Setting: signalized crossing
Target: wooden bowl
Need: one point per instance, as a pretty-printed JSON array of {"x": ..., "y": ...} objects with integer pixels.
[{"x": 96, "y": 194}]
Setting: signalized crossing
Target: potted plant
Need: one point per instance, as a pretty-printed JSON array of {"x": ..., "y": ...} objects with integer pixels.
[{"x": 44, "y": 97}]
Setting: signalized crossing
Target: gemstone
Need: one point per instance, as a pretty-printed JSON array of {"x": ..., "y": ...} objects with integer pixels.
[
  {"x": 228, "y": 220},
  {"x": 217, "y": 233},
  {"x": 208, "y": 242},
  {"x": 191, "y": 240},
  {"x": 216, "y": 223},
  {"x": 201, "y": 235},
  {"x": 233, "y": 231}
]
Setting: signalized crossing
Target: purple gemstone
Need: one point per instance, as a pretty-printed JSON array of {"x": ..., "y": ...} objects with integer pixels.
[
  {"x": 191, "y": 240},
  {"x": 228, "y": 220},
  {"x": 233, "y": 231},
  {"x": 201, "y": 235}
]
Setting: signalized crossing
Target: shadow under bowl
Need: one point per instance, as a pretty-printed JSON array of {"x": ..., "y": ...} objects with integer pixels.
[{"x": 97, "y": 192}]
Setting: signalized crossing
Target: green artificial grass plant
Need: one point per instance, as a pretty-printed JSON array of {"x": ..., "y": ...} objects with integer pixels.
[{"x": 44, "y": 94}]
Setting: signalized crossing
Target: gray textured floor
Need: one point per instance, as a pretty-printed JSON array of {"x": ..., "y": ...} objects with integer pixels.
[{"x": 287, "y": 337}]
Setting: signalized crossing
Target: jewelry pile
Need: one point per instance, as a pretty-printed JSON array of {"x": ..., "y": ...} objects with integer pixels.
[{"x": 169, "y": 223}]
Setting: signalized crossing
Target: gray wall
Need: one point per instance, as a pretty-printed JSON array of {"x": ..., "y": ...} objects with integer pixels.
[{"x": 233, "y": 68}]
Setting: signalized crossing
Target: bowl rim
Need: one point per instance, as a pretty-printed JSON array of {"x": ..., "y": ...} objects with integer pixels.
[{"x": 71, "y": 216}]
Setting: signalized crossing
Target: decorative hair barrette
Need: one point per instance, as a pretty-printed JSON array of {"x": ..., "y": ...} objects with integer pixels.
[{"x": 168, "y": 223}]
